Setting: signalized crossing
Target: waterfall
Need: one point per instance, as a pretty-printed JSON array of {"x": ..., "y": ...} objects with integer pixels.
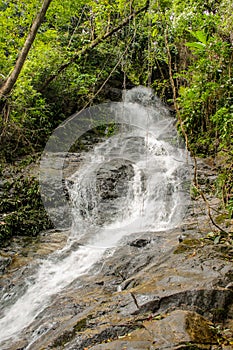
[{"x": 134, "y": 181}]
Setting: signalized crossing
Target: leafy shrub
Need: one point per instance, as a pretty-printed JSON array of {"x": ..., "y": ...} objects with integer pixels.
[{"x": 21, "y": 209}]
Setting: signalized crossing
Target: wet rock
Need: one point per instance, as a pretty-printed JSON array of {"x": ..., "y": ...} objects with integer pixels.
[
  {"x": 105, "y": 192},
  {"x": 137, "y": 315},
  {"x": 140, "y": 295},
  {"x": 139, "y": 243},
  {"x": 4, "y": 263},
  {"x": 123, "y": 344},
  {"x": 113, "y": 93},
  {"x": 111, "y": 178},
  {"x": 112, "y": 185},
  {"x": 54, "y": 172},
  {"x": 180, "y": 327},
  {"x": 171, "y": 331}
]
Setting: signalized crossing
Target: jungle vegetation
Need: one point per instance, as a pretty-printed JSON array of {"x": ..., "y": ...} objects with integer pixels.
[{"x": 59, "y": 56}]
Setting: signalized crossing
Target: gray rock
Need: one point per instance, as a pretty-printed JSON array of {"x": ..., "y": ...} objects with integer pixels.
[{"x": 4, "y": 262}]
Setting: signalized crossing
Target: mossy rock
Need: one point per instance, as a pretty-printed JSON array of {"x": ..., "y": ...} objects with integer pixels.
[
  {"x": 199, "y": 329},
  {"x": 187, "y": 245},
  {"x": 67, "y": 336}
]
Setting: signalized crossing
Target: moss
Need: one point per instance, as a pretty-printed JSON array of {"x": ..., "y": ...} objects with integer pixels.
[
  {"x": 191, "y": 242},
  {"x": 226, "y": 251},
  {"x": 81, "y": 325},
  {"x": 219, "y": 219},
  {"x": 182, "y": 249},
  {"x": 187, "y": 245},
  {"x": 194, "y": 193},
  {"x": 69, "y": 335},
  {"x": 190, "y": 347},
  {"x": 199, "y": 329}
]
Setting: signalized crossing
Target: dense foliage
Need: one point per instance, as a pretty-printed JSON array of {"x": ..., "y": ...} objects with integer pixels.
[
  {"x": 21, "y": 208},
  {"x": 64, "y": 70}
]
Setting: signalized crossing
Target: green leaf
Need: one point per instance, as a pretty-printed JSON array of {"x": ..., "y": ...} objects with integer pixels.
[
  {"x": 196, "y": 46},
  {"x": 200, "y": 36},
  {"x": 217, "y": 239}
]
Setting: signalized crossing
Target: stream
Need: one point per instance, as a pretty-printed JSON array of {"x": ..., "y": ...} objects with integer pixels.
[{"x": 133, "y": 181}]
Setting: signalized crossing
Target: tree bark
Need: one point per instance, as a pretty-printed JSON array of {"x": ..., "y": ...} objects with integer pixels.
[
  {"x": 91, "y": 46},
  {"x": 9, "y": 83}
]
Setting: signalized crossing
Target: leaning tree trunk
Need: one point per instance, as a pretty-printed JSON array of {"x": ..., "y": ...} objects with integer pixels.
[{"x": 9, "y": 83}]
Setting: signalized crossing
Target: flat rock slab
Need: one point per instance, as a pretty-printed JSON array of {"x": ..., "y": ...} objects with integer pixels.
[
  {"x": 124, "y": 345},
  {"x": 150, "y": 293},
  {"x": 175, "y": 329}
]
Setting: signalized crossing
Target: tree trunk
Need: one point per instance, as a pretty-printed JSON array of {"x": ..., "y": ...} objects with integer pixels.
[{"x": 9, "y": 83}]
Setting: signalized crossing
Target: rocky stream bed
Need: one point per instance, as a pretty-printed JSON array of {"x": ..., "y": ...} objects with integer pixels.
[{"x": 158, "y": 290}]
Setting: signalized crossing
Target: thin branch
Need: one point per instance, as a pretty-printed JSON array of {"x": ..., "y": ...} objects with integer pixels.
[
  {"x": 104, "y": 83},
  {"x": 71, "y": 38},
  {"x": 174, "y": 90},
  {"x": 196, "y": 184},
  {"x": 91, "y": 46}
]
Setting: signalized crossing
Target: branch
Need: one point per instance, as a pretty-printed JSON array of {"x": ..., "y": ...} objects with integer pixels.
[
  {"x": 196, "y": 184},
  {"x": 174, "y": 90},
  {"x": 103, "y": 85},
  {"x": 9, "y": 83},
  {"x": 91, "y": 46}
]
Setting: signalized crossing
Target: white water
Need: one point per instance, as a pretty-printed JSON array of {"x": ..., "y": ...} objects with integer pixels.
[{"x": 152, "y": 198}]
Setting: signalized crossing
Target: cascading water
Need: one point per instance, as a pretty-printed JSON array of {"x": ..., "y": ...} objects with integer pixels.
[{"x": 134, "y": 181}]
